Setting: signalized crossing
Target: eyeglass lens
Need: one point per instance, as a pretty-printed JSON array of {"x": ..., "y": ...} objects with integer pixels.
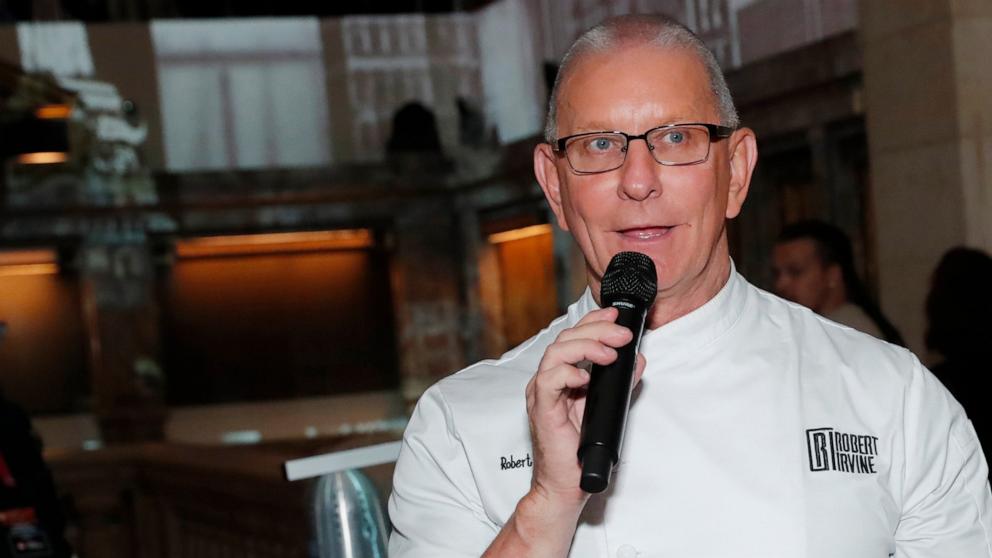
[{"x": 680, "y": 145}]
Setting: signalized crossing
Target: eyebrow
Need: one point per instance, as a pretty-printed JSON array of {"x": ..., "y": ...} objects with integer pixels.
[
  {"x": 594, "y": 127},
  {"x": 599, "y": 127}
]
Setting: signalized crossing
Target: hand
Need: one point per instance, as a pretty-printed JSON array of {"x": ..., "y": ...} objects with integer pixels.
[
  {"x": 556, "y": 400},
  {"x": 545, "y": 519}
]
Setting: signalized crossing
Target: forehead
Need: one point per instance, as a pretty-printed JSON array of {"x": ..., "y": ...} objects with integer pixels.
[
  {"x": 798, "y": 250},
  {"x": 632, "y": 88}
]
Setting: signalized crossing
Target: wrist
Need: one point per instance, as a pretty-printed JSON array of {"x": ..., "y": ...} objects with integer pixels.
[
  {"x": 540, "y": 527},
  {"x": 560, "y": 499},
  {"x": 541, "y": 512}
]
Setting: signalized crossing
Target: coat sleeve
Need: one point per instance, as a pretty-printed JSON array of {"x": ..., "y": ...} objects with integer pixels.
[
  {"x": 435, "y": 507},
  {"x": 947, "y": 506}
]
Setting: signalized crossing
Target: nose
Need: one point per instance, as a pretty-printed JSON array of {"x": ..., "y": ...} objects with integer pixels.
[{"x": 639, "y": 174}]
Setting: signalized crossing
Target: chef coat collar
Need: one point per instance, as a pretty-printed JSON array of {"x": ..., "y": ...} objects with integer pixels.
[{"x": 682, "y": 337}]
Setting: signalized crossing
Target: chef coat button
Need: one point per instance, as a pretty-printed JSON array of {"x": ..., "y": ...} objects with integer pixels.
[{"x": 626, "y": 551}]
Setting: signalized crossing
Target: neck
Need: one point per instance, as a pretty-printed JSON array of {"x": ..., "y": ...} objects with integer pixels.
[
  {"x": 679, "y": 299},
  {"x": 835, "y": 299},
  {"x": 671, "y": 304}
]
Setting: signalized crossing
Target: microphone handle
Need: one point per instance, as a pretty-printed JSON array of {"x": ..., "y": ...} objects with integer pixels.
[{"x": 607, "y": 401}]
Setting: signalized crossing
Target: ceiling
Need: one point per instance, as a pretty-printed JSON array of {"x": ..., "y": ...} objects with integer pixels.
[{"x": 139, "y": 10}]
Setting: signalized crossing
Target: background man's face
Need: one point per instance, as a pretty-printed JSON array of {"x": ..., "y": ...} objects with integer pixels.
[
  {"x": 674, "y": 214},
  {"x": 800, "y": 275}
]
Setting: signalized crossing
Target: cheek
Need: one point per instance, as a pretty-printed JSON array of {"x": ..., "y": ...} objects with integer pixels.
[
  {"x": 705, "y": 194},
  {"x": 584, "y": 215},
  {"x": 809, "y": 285},
  {"x": 589, "y": 203},
  {"x": 707, "y": 206}
]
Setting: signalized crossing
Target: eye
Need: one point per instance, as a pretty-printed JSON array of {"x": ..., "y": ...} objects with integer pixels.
[
  {"x": 601, "y": 144},
  {"x": 675, "y": 137}
]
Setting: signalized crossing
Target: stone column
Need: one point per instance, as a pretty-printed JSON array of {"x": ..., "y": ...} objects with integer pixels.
[
  {"x": 121, "y": 319},
  {"x": 928, "y": 85},
  {"x": 425, "y": 277}
]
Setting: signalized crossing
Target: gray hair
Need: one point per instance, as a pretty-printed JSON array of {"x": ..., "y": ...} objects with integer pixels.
[{"x": 656, "y": 30}]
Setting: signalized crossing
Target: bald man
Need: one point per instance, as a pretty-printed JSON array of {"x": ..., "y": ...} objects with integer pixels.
[{"x": 758, "y": 429}]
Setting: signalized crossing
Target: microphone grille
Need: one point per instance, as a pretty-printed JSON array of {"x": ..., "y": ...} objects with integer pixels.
[{"x": 630, "y": 275}]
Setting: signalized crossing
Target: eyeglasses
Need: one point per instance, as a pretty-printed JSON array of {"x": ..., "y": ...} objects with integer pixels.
[{"x": 671, "y": 145}]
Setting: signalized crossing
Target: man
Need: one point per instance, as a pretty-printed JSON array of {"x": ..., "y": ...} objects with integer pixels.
[
  {"x": 758, "y": 429},
  {"x": 813, "y": 264}
]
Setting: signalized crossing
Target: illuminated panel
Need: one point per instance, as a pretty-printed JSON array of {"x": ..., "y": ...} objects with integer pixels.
[
  {"x": 42, "y": 158},
  {"x": 29, "y": 269},
  {"x": 211, "y": 246},
  {"x": 53, "y": 112},
  {"x": 28, "y": 262},
  {"x": 518, "y": 234}
]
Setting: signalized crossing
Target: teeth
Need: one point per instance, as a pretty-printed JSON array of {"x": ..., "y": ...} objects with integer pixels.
[{"x": 647, "y": 234}]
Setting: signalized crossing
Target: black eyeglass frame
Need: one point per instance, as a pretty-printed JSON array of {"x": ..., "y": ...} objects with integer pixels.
[{"x": 715, "y": 131}]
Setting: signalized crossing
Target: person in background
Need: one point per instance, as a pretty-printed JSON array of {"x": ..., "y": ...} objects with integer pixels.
[
  {"x": 958, "y": 309},
  {"x": 32, "y": 523},
  {"x": 813, "y": 265}
]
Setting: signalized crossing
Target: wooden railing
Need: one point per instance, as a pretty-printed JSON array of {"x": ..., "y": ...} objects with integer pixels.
[{"x": 183, "y": 501}]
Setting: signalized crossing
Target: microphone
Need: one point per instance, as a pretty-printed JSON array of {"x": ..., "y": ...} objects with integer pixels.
[{"x": 629, "y": 285}]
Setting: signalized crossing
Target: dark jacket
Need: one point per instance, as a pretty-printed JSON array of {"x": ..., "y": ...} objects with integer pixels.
[{"x": 27, "y": 484}]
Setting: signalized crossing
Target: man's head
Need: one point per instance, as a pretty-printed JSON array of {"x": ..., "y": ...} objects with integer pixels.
[
  {"x": 633, "y": 74},
  {"x": 959, "y": 304},
  {"x": 809, "y": 262},
  {"x": 660, "y": 31}
]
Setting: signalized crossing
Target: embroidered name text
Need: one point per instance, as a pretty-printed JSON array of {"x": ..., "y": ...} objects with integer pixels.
[
  {"x": 514, "y": 463},
  {"x": 830, "y": 450}
]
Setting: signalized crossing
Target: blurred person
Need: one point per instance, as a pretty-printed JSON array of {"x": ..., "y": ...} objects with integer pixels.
[
  {"x": 757, "y": 428},
  {"x": 32, "y": 523},
  {"x": 813, "y": 264},
  {"x": 959, "y": 327}
]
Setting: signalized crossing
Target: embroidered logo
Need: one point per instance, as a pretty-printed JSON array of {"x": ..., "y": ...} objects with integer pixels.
[
  {"x": 830, "y": 450},
  {"x": 512, "y": 462}
]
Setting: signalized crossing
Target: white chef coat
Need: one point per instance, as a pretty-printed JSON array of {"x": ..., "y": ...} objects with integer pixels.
[{"x": 759, "y": 430}]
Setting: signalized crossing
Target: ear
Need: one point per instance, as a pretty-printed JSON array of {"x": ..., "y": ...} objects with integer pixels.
[
  {"x": 546, "y": 172},
  {"x": 743, "y": 157}
]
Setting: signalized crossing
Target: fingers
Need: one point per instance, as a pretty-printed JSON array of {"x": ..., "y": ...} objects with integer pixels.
[
  {"x": 639, "y": 367},
  {"x": 554, "y": 384},
  {"x": 609, "y": 313},
  {"x": 575, "y": 351},
  {"x": 601, "y": 325},
  {"x": 593, "y": 339}
]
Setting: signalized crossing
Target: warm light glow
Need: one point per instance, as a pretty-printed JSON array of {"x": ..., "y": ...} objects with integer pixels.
[
  {"x": 28, "y": 262},
  {"x": 29, "y": 269},
  {"x": 17, "y": 257},
  {"x": 42, "y": 158},
  {"x": 53, "y": 112},
  {"x": 209, "y": 246},
  {"x": 517, "y": 234}
]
